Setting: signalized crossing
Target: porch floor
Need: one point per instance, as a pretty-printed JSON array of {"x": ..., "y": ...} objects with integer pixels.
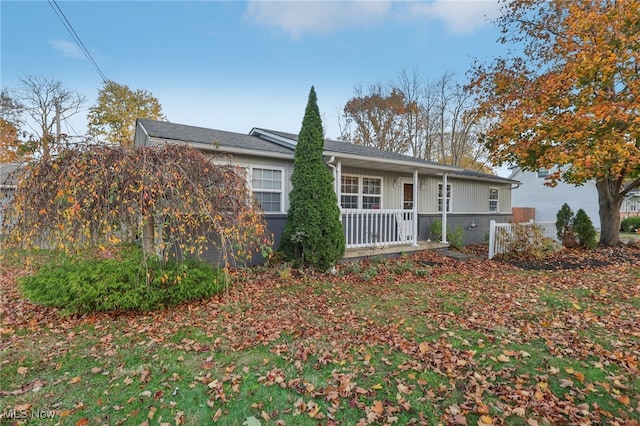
[{"x": 391, "y": 251}]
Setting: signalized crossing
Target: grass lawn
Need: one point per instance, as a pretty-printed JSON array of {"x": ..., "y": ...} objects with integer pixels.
[
  {"x": 629, "y": 235},
  {"x": 420, "y": 339}
]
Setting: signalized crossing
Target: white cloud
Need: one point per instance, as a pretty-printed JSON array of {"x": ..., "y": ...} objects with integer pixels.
[
  {"x": 460, "y": 16},
  {"x": 297, "y": 18},
  {"x": 321, "y": 17},
  {"x": 67, "y": 48}
]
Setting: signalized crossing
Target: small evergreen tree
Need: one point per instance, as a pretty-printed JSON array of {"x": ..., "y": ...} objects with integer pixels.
[
  {"x": 313, "y": 233},
  {"x": 584, "y": 230},
  {"x": 564, "y": 226}
]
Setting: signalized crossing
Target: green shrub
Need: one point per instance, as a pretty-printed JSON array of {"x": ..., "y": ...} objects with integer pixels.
[
  {"x": 584, "y": 230},
  {"x": 312, "y": 235},
  {"x": 456, "y": 238},
  {"x": 436, "y": 230},
  {"x": 81, "y": 285},
  {"x": 630, "y": 224},
  {"x": 564, "y": 225}
]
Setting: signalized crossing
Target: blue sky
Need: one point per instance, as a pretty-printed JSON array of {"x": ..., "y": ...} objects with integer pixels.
[{"x": 237, "y": 65}]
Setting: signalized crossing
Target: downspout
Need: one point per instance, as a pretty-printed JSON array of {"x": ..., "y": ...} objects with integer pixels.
[
  {"x": 335, "y": 176},
  {"x": 445, "y": 205},
  {"x": 415, "y": 208}
]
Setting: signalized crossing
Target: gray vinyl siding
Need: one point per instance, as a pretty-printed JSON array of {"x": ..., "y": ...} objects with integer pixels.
[
  {"x": 473, "y": 196},
  {"x": 265, "y": 162},
  {"x": 468, "y": 196},
  {"x": 390, "y": 199}
]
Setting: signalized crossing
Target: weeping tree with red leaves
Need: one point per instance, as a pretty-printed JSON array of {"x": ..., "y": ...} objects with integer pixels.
[
  {"x": 173, "y": 198},
  {"x": 570, "y": 102}
]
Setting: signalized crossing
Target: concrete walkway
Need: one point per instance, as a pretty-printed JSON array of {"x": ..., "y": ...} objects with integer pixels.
[{"x": 391, "y": 251}]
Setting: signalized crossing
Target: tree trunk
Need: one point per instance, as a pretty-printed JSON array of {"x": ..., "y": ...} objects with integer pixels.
[
  {"x": 609, "y": 200},
  {"x": 148, "y": 230}
]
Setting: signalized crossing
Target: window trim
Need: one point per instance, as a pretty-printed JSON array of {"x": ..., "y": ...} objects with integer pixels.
[
  {"x": 449, "y": 199},
  {"x": 497, "y": 199},
  {"x": 280, "y": 191},
  {"x": 360, "y": 194}
]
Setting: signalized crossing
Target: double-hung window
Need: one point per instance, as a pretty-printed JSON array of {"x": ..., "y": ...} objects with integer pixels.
[
  {"x": 350, "y": 189},
  {"x": 358, "y": 192},
  {"x": 442, "y": 196},
  {"x": 371, "y": 192},
  {"x": 267, "y": 185},
  {"x": 493, "y": 199}
]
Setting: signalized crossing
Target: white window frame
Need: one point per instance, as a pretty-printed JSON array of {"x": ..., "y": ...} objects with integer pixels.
[
  {"x": 360, "y": 195},
  {"x": 350, "y": 194},
  {"x": 279, "y": 191},
  {"x": 448, "y": 196},
  {"x": 496, "y": 199}
]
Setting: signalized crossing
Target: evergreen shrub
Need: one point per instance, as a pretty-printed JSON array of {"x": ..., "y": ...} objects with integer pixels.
[
  {"x": 630, "y": 224},
  {"x": 128, "y": 282},
  {"x": 584, "y": 230},
  {"x": 312, "y": 234},
  {"x": 564, "y": 225}
]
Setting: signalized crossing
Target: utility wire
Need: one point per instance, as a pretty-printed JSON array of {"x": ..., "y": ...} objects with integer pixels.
[{"x": 69, "y": 27}]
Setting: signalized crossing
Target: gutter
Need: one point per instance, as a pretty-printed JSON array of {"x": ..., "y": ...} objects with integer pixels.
[
  {"x": 240, "y": 151},
  {"x": 441, "y": 168}
]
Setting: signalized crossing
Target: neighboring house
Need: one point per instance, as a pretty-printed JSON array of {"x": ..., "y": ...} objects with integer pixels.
[
  {"x": 546, "y": 200},
  {"x": 7, "y": 188},
  {"x": 630, "y": 205},
  {"x": 385, "y": 198}
]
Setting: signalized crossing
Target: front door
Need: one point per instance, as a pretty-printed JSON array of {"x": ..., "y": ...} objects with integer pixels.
[
  {"x": 405, "y": 224},
  {"x": 407, "y": 196}
]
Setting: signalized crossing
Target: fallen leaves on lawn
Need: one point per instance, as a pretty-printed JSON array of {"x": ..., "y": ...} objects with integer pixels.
[{"x": 434, "y": 322}]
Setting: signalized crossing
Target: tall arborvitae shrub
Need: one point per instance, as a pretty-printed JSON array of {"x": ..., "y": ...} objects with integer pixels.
[
  {"x": 313, "y": 233},
  {"x": 584, "y": 229}
]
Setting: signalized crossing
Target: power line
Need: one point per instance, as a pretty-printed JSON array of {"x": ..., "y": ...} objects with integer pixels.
[{"x": 75, "y": 36}]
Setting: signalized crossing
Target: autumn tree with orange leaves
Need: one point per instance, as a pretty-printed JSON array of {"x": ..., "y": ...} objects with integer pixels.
[
  {"x": 570, "y": 102},
  {"x": 12, "y": 149}
]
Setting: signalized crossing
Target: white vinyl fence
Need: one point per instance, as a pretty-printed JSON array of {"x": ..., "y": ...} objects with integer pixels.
[{"x": 498, "y": 232}]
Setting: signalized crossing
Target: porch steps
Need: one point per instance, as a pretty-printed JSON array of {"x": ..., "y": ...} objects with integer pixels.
[
  {"x": 390, "y": 251},
  {"x": 461, "y": 257}
]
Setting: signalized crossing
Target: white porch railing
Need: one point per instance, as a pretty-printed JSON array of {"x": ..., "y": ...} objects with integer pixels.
[
  {"x": 498, "y": 245},
  {"x": 377, "y": 227}
]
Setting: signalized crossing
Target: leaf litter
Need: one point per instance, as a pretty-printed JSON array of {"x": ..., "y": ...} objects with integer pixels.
[{"x": 477, "y": 342}]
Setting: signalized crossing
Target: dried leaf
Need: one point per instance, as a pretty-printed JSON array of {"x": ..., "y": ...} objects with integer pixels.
[{"x": 377, "y": 407}]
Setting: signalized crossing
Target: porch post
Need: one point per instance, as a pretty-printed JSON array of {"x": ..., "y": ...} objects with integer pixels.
[
  {"x": 415, "y": 208},
  {"x": 338, "y": 183},
  {"x": 445, "y": 204}
]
